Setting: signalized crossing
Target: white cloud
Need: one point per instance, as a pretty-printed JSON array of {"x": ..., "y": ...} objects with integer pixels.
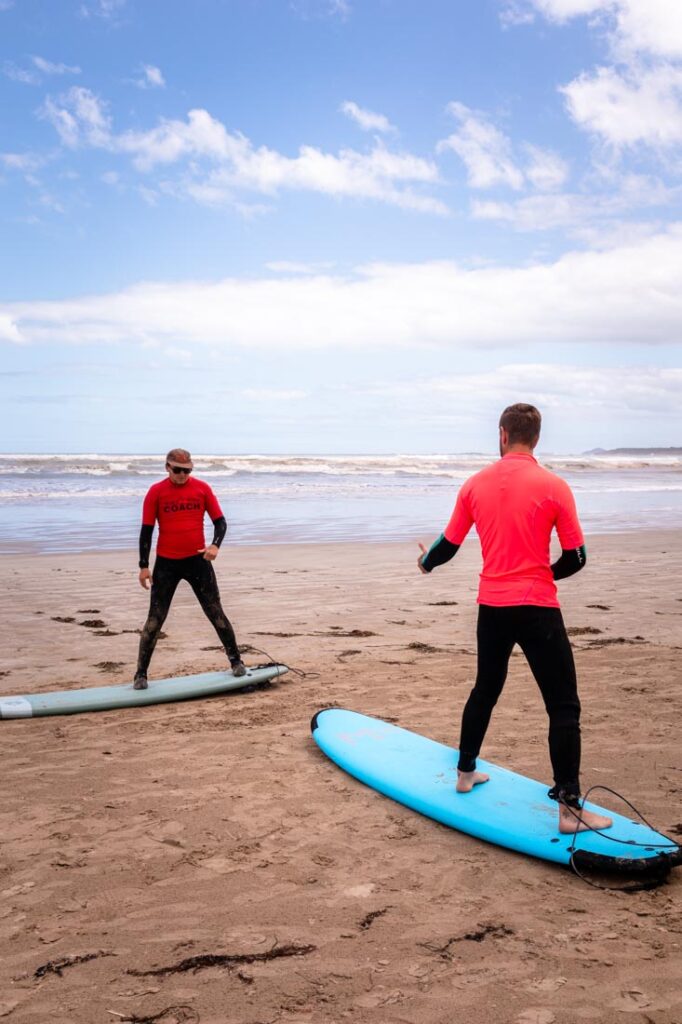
[
  {"x": 615, "y": 235},
  {"x": 21, "y": 161},
  {"x": 150, "y": 197},
  {"x": 378, "y": 175},
  {"x": 564, "y": 10},
  {"x": 79, "y": 118},
  {"x": 516, "y": 12},
  {"x": 637, "y": 98},
  {"x": 17, "y": 74},
  {"x": 9, "y": 330},
  {"x": 309, "y": 9},
  {"x": 152, "y": 78},
  {"x": 106, "y": 9},
  {"x": 546, "y": 170},
  {"x": 595, "y": 391},
  {"x": 627, "y": 294},
  {"x": 488, "y": 157},
  {"x": 49, "y": 68},
  {"x": 366, "y": 119},
  {"x": 577, "y": 211},
  {"x": 651, "y": 27},
  {"x": 484, "y": 150},
  {"x": 232, "y": 163},
  {"x": 629, "y": 107}
]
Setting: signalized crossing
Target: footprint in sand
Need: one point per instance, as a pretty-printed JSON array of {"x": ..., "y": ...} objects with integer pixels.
[
  {"x": 546, "y": 984},
  {"x": 536, "y": 1016},
  {"x": 361, "y": 890},
  {"x": 631, "y": 1001}
]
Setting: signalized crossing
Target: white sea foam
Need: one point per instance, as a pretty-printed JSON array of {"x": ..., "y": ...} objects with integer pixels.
[
  {"x": 451, "y": 466},
  {"x": 94, "y": 500}
]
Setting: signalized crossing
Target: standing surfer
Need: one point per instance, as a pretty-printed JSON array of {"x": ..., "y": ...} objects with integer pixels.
[
  {"x": 178, "y": 503},
  {"x": 515, "y": 505}
]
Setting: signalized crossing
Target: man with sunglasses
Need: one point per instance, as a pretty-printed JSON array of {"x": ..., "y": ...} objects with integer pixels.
[{"x": 179, "y": 503}]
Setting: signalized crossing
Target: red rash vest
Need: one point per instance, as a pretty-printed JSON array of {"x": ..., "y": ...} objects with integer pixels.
[
  {"x": 180, "y": 510},
  {"x": 515, "y": 504}
]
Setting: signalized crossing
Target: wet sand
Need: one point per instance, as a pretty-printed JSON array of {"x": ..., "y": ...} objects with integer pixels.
[{"x": 206, "y": 859}]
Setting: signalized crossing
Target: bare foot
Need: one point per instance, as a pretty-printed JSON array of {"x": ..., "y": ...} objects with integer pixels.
[
  {"x": 467, "y": 780},
  {"x": 572, "y": 820}
]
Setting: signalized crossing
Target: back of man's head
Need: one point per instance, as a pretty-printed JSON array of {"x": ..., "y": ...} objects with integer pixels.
[{"x": 522, "y": 423}]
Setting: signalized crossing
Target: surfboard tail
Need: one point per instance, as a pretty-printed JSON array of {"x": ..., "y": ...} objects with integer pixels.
[{"x": 652, "y": 869}]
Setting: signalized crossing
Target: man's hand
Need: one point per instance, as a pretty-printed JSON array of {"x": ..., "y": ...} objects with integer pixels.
[
  {"x": 210, "y": 553},
  {"x": 419, "y": 560},
  {"x": 145, "y": 578}
]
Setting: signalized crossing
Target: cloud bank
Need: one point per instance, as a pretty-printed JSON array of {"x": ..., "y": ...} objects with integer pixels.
[{"x": 628, "y": 294}]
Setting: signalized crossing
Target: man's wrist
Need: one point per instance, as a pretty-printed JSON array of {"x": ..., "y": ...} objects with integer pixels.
[{"x": 143, "y": 565}]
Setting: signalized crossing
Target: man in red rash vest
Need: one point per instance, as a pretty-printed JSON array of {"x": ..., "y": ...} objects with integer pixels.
[
  {"x": 515, "y": 505},
  {"x": 178, "y": 504}
]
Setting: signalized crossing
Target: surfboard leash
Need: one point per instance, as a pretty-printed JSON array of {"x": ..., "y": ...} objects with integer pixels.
[
  {"x": 296, "y": 671},
  {"x": 650, "y": 883}
]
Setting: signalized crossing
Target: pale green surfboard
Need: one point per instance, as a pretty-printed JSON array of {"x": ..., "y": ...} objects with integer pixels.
[{"x": 106, "y": 698}]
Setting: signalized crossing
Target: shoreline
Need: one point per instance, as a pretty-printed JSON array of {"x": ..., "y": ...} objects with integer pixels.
[{"x": 31, "y": 550}]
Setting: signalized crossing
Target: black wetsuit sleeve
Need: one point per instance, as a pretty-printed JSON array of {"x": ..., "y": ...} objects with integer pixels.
[
  {"x": 571, "y": 562},
  {"x": 145, "y": 545},
  {"x": 219, "y": 530},
  {"x": 440, "y": 552}
]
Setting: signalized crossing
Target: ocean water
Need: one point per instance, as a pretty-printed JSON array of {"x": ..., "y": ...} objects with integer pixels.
[{"x": 56, "y": 503}]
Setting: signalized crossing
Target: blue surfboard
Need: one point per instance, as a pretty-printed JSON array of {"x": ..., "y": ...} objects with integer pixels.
[{"x": 510, "y": 810}]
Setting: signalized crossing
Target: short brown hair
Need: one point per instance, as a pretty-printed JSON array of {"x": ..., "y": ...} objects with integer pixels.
[
  {"x": 178, "y": 455},
  {"x": 522, "y": 423}
]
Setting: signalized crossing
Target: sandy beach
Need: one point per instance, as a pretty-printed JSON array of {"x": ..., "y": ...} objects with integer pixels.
[{"x": 214, "y": 835}]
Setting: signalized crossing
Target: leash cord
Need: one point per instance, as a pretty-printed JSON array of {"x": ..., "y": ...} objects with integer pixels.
[
  {"x": 296, "y": 671},
  {"x": 636, "y": 886}
]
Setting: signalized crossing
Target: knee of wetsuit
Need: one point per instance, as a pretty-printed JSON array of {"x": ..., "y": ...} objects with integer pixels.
[{"x": 565, "y": 716}]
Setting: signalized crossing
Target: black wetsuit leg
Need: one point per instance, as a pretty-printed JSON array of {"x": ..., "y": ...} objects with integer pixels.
[
  {"x": 542, "y": 638},
  {"x": 495, "y": 640},
  {"x": 165, "y": 579},
  {"x": 201, "y": 577},
  {"x": 541, "y": 634}
]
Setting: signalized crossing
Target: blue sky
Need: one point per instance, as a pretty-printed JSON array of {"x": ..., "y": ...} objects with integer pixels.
[{"x": 335, "y": 226}]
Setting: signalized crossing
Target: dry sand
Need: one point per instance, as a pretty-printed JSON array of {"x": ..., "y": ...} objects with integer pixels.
[{"x": 132, "y": 841}]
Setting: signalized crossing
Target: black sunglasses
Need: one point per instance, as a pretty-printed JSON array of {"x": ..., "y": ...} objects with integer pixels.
[{"x": 179, "y": 469}]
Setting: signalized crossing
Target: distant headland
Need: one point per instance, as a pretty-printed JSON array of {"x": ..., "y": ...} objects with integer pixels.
[{"x": 634, "y": 451}]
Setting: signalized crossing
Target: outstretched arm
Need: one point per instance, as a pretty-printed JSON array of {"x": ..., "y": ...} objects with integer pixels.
[
  {"x": 571, "y": 562},
  {"x": 440, "y": 552}
]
